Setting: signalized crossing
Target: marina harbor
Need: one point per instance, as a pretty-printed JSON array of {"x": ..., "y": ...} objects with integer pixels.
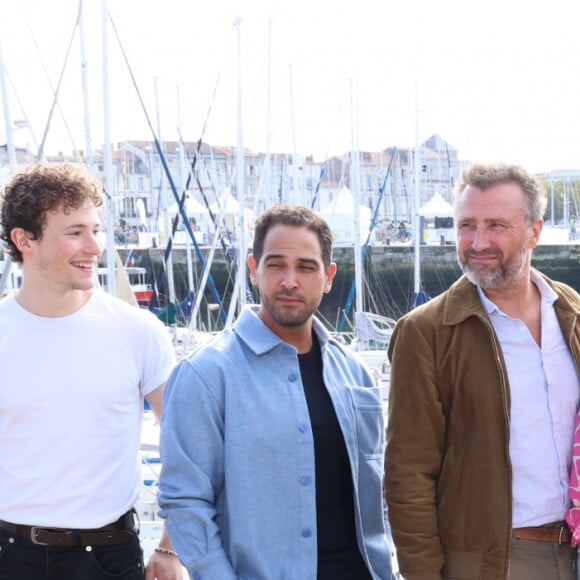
[{"x": 388, "y": 273}]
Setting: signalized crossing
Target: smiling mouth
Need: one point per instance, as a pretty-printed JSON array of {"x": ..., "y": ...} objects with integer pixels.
[
  {"x": 481, "y": 257},
  {"x": 83, "y": 265}
]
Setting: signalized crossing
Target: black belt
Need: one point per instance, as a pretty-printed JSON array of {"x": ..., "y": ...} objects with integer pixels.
[{"x": 119, "y": 532}]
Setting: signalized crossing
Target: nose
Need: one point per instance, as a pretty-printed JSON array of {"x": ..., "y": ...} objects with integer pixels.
[
  {"x": 479, "y": 240},
  {"x": 289, "y": 279},
  {"x": 93, "y": 245}
]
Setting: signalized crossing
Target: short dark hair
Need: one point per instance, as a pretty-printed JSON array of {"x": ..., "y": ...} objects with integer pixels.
[
  {"x": 487, "y": 175},
  {"x": 296, "y": 216},
  {"x": 41, "y": 188}
]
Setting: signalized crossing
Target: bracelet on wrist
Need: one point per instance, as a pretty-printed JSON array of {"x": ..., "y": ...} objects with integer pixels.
[{"x": 165, "y": 551}]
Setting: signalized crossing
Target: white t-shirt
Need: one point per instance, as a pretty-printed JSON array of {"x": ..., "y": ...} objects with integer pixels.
[{"x": 71, "y": 406}]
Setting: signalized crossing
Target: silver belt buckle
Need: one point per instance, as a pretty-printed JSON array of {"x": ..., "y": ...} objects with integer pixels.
[
  {"x": 560, "y": 536},
  {"x": 34, "y": 536}
]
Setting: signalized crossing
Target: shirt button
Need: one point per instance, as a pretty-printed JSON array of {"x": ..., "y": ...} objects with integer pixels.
[
  {"x": 197, "y": 576},
  {"x": 305, "y": 480},
  {"x": 292, "y": 377},
  {"x": 306, "y": 533},
  {"x": 303, "y": 428},
  {"x": 287, "y": 349}
]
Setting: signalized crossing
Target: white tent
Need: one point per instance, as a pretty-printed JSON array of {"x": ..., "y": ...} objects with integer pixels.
[
  {"x": 436, "y": 207},
  {"x": 339, "y": 214},
  {"x": 192, "y": 208},
  {"x": 433, "y": 231},
  {"x": 227, "y": 209},
  {"x": 198, "y": 217},
  {"x": 227, "y": 204}
]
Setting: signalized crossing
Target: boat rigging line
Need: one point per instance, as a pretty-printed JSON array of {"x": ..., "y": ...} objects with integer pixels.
[
  {"x": 40, "y": 153},
  {"x": 179, "y": 199}
]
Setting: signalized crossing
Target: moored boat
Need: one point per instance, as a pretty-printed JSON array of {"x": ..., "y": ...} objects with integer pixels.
[{"x": 137, "y": 280}]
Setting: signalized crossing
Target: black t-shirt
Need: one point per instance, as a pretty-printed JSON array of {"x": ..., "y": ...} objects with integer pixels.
[{"x": 339, "y": 557}]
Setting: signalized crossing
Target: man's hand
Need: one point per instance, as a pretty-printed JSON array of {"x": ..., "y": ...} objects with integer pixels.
[{"x": 163, "y": 567}]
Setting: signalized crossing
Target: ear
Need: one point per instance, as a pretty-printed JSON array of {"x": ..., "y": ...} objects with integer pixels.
[
  {"x": 22, "y": 240},
  {"x": 330, "y": 272},
  {"x": 536, "y": 231},
  {"x": 253, "y": 269}
]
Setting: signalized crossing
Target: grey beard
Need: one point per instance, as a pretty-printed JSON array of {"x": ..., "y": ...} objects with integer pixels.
[{"x": 503, "y": 277}]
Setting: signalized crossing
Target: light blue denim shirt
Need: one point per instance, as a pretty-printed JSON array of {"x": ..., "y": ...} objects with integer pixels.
[{"x": 237, "y": 485}]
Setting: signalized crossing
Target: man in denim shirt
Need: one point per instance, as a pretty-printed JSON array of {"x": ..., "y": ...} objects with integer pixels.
[{"x": 272, "y": 438}]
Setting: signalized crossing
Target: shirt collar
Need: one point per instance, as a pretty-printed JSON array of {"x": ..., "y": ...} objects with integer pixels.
[{"x": 261, "y": 339}]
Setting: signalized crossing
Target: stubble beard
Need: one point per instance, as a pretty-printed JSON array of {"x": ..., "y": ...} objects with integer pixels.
[
  {"x": 68, "y": 283},
  {"x": 286, "y": 317},
  {"x": 503, "y": 276}
]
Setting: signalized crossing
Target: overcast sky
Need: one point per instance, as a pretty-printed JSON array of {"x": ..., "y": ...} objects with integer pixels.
[{"x": 499, "y": 80}]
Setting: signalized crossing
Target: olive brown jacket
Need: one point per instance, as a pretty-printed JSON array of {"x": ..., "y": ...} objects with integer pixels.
[{"x": 448, "y": 473}]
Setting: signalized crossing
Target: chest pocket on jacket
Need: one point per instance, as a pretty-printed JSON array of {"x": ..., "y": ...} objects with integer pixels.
[{"x": 370, "y": 423}]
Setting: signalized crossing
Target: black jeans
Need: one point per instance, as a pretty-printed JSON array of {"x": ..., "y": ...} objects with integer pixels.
[{"x": 21, "y": 559}]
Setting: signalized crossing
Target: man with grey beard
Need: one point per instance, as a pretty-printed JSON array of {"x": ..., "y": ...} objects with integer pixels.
[{"x": 483, "y": 400}]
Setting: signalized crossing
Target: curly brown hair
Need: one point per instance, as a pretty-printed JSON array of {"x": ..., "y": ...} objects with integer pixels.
[{"x": 42, "y": 188}]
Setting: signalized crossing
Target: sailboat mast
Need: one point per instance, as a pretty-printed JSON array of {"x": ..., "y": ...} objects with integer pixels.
[
  {"x": 268, "y": 195},
  {"x": 183, "y": 174},
  {"x": 240, "y": 185},
  {"x": 164, "y": 196},
  {"x": 88, "y": 145},
  {"x": 355, "y": 186},
  {"x": 416, "y": 197},
  {"x": 296, "y": 190},
  {"x": 108, "y": 161},
  {"x": 11, "y": 160},
  {"x": 7, "y": 118}
]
